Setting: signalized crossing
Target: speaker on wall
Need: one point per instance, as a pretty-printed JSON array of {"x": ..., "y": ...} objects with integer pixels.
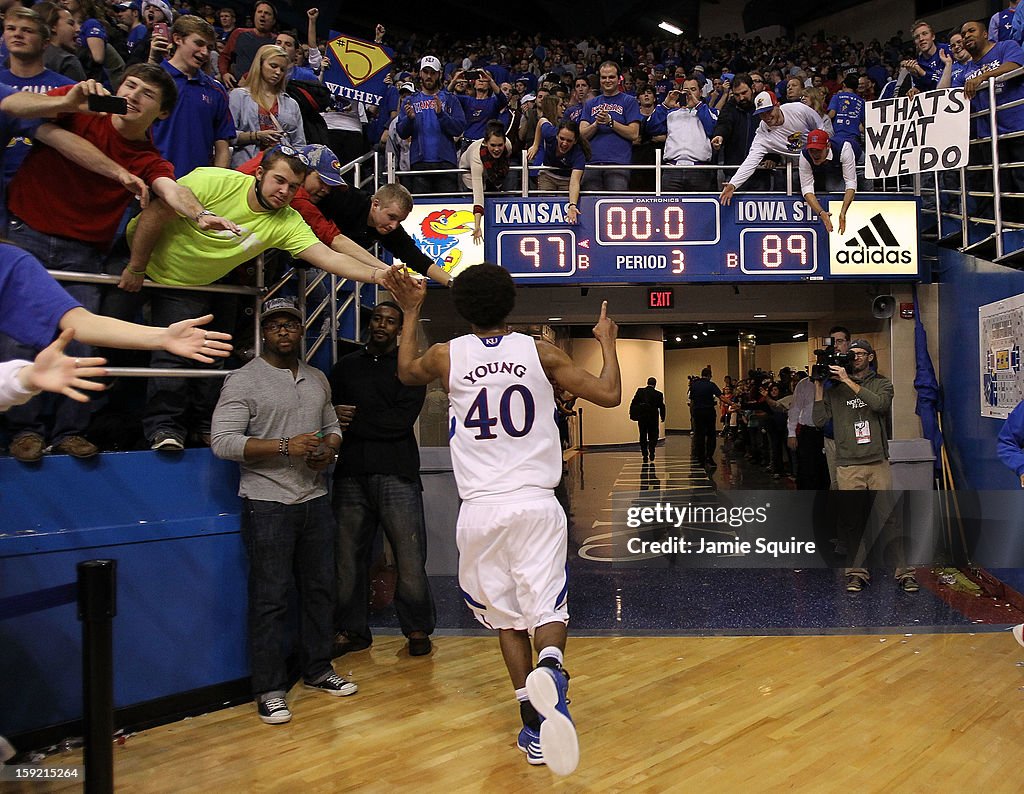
[{"x": 883, "y": 307}]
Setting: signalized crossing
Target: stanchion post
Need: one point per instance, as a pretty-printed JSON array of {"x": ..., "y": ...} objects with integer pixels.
[{"x": 97, "y": 605}]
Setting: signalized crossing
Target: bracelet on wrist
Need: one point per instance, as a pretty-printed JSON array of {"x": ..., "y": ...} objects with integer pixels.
[
  {"x": 136, "y": 272},
  {"x": 282, "y": 446}
]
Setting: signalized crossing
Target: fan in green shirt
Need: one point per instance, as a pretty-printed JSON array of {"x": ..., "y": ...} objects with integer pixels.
[{"x": 171, "y": 249}]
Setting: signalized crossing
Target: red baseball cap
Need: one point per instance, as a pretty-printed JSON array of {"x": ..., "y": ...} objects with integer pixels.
[{"x": 817, "y": 139}]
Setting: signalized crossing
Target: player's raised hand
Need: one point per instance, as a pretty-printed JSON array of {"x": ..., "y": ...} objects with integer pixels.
[
  {"x": 408, "y": 292},
  {"x": 606, "y": 328}
]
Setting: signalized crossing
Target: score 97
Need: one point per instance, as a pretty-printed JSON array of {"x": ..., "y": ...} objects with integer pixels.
[
  {"x": 778, "y": 251},
  {"x": 526, "y": 254}
]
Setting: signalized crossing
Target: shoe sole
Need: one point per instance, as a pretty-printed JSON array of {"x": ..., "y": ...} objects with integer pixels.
[
  {"x": 276, "y": 720},
  {"x": 1018, "y": 633},
  {"x": 558, "y": 741},
  {"x": 164, "y": 446},
  {"x": 345, "y": 691}
]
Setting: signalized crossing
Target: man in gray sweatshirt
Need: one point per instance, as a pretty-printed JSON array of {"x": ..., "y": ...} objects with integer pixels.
[{"x": 275, "y": 418}]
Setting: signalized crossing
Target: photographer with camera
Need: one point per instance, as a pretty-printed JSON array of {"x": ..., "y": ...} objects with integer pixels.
[{"x": 857, "y": 404}]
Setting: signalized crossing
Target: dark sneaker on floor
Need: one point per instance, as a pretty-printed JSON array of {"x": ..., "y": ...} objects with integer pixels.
[
  {"x": 908, "y": 583},
  {"x": 28, "y": 448},
  {"x": 273, "y": 711},
  {"x": 420, "y": 646},
  {"x": 547, "y": 688},
  {"x": 167, "y": 442},
  {"x": 76, "y": 447},
  {"x": 855, "y": 583},
  {"x": 529, "y": 743},
  {"x": 333, "y": 684}
]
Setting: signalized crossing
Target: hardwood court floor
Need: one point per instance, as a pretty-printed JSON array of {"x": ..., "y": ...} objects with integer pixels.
[{"x": 888, "y": 713}]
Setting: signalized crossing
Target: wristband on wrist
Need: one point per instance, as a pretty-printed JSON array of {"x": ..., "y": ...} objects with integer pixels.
[
  {"x": 573, "y": 204},
  {"x": 478, "y": 210},
  {"x": 282, "y": 446}
]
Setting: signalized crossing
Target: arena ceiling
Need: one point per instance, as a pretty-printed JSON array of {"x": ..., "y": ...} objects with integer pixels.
[{"x": 595, "y": 17}]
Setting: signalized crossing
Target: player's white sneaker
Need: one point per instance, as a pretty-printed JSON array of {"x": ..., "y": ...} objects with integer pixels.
[
  {"x": 547, "y": 688},
  {"x": 1018, "y": 633}
]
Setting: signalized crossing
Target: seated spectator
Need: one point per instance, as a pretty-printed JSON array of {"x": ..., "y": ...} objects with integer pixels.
[
  {"x": 242, "y": 46},
  {"x": 488, "y": 161},
  {"x": 264, "y": 114},
  {"x": 172, "y": 250},
  {"x": 794, "y": 89},
  {"x": 564, "y": 151}
]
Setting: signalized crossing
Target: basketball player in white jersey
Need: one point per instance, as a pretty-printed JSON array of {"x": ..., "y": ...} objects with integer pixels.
[{"x": 507, "y": 459}]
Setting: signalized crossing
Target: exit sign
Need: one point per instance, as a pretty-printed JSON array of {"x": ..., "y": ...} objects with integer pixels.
[{"x": 660, "y": 298}]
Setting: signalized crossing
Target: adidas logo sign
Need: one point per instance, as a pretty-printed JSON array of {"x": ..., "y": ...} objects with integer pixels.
[{"x": 874, "y": 244}]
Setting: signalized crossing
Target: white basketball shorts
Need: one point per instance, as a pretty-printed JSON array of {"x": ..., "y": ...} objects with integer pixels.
[{"x": 512, "y": 562}]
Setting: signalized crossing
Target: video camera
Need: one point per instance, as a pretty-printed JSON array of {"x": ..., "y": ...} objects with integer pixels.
[{"x": 828, "y": 357}]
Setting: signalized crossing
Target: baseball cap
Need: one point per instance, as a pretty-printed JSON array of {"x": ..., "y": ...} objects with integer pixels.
[
  {"x": 279, "y": 306},
  {"x": 698, "y": 68},
  {"x": 531, "y": 97},
  {"x": 659, "y": 67},
  {"x": 160, "y": 6},
  {"x": 430, "y": 62},
  {"x": 817, "y": 139},
  {"x": 407, "y": 86},
  {"x": 324, "y": 162},
  {"x": 764, "y": 102},
  {"x": 862, "y": 344}
]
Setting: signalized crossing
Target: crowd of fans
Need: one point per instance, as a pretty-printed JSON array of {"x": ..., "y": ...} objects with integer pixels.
[{"x": 219, "y": 88}]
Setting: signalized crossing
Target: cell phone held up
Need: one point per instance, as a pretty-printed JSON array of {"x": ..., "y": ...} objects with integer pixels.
[
  {"x": 117, "y": 105},
  {"x": 161, "y": 29}
]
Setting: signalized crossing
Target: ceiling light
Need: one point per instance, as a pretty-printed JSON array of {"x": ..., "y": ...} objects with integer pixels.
[
  {"x": 670, "y": 28},
  {"x": 553, "y": 319},
  {"x": 704, "y": 332},
  {"x": 799, "y": 335},
  {"x": 679, "y": 339},
  {"x": 695, "y": 336},
  {"x": 760, "y": 316}
]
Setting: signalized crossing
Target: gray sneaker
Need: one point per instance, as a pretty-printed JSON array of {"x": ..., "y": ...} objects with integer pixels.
[
  {"x": 273, "y": 711},
  {"x": 333, "y": 684},
  {"x": 167, "y": 442}
]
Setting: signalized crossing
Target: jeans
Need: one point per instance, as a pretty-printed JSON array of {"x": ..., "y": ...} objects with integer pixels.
[
  {"x": 434, "y": 183},
  {"x": 289, "y": 545},
  {"x": 361, "y": 504},
  {"x": 169, "y": 399},
  {"x": 71, "y": 418},
  {"x": 600, "y": 179}
]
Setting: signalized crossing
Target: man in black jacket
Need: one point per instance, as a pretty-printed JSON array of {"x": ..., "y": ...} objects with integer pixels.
[
  {"x": 647, "y": 407},
  {"x": 735, "y": 129}
]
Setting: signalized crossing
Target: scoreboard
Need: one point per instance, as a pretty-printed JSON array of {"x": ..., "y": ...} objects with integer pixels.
[{"x": 692, "y": 238}]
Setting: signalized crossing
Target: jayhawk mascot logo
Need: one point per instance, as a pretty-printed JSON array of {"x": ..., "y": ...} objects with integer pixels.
[{"x": 439, "y": 234}]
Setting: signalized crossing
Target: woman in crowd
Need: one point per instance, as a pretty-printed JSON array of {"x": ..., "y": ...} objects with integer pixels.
[
  {"x": 814, "y": 98},
  {"x": 99, "y": 59},
  {"x": 565, "y": 152},
  {"x": 488, "y": 160},
  {"x": 264, "y": 114},
  {"x": 59, "y": 56}
]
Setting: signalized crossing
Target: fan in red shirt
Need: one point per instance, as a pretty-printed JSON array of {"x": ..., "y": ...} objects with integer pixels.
[{"x": 68, "y": 217}]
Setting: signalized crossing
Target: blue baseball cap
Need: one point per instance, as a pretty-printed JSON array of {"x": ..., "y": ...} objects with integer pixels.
[{"x": 324, "y": 162}]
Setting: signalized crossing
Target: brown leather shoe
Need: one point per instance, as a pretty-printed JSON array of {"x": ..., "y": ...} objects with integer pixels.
[
  {"x": 28, "y": 448},
  {"x": 76, "y": 447}
]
